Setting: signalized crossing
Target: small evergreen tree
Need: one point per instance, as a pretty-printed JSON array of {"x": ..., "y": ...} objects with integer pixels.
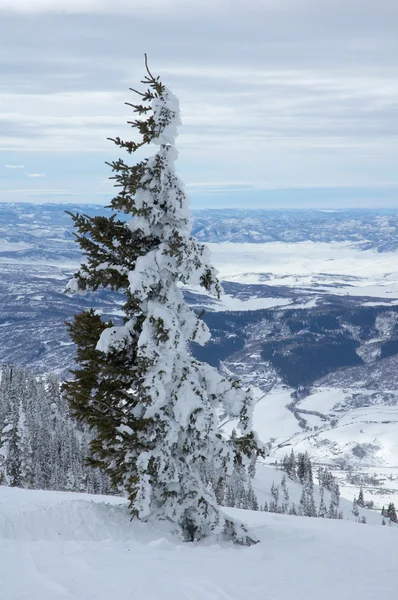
[
  {"x": 361, "y": 500},
  {"x": 275, "y": 492},
  {"x": 355, "y": 510},
  {"x": 391, "y": 513},
  {"x": 151, "y": 406},
  {"x": 285, "y": 489},
  {"x": 326, "y": 478},
  {"x": 252, "y": 498},
  {"x": 322, "y": 510},
  {"x": 289, "y": 465},
  {"x": 302, "y": 510},
  {"x": 301, "y": 466}
]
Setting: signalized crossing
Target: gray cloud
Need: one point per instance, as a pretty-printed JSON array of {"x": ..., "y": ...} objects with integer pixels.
[{"x": 296, "y": 92}]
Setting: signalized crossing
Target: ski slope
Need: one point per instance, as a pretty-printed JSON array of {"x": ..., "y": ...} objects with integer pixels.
[{"x": 65, "y": 546}]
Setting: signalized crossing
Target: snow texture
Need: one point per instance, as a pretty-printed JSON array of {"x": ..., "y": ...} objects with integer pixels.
[{"x": 65, "y": 546}]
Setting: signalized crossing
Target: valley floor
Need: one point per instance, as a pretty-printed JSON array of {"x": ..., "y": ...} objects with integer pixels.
[{"x": 58, "y": 545}]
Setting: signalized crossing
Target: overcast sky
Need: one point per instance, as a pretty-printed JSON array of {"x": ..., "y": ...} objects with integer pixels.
[{"x": 284, "y": 102}]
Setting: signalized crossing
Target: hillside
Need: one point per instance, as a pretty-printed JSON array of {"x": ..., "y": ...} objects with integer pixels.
[{"x": 77, "y": 546}]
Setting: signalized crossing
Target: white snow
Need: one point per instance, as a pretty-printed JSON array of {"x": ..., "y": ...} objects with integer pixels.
[
  {"x": 227, "y": 302},
  {"x": 364, "y": 439},
  {"x": 338, "y": 267},
  {"x": 6, "y": 246},
  {"x": 271, "y": 417},
  {"x": 64, "y": 546},
  {"x": 323, "y": 400}
]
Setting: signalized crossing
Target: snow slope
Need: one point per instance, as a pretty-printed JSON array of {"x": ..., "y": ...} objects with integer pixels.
[
  {"x": 349, "y": 440},
  {"x": 64, "y": 546}
]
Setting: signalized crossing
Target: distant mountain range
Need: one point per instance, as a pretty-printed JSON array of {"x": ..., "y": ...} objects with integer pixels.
[{"x": 39, "y": 225}]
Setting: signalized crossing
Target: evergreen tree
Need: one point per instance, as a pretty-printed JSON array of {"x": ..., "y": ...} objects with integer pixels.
[
  {"x": 301, "y": 466},
  {"x": 236, "y": 494},
  {"x": 355, "y": 510},
  {"x": 252, "y": 498},
  {"x": 273, "y": 507},
  {"x": 334, "y": 502},
  {"x": 332, "y": 512},
  {"x": 310, "y": 509},
  {"x": 361, "y": 501},
  {"x": 326, "y": 478},
  {"x": 289, "y": 465},
  {"x": 152, "y": 407},
  {"x": 285, "y": 489},
  {"x": 292, "y": 465},
  {"x": 302, "y": 509},
  {"x": 391, "y": 513},
  {"x": 11, "y": 449},
  {"x": 322, "y": 509}
]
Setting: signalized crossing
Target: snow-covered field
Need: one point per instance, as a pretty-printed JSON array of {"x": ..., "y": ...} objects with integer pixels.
[
  {"x": 64, "y": 546},
  {"x": 364, "y": 440},
  {"x": 335, "y": 267}
]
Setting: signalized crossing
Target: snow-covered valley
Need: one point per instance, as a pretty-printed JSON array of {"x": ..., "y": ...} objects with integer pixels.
[
  {"x": 341, "y": 268},
  {"x": 59, "y": 545}
]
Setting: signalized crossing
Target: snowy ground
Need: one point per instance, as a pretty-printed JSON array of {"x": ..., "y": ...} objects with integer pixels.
[
  {"x": 63, "y": 546},
  {"x": 335, "y": 267},
  {"x": 371, "y": 429}
]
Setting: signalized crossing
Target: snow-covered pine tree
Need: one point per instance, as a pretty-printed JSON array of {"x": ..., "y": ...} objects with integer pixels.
[
  {"x": 334, "y": 502},
  {"x": 310, "y": 509},
  {"x": 322, "y": 509},
  {"x": 304, "y": 467},
  {"x": 152, "y": 406},
  {"x": 355, "y": 510},
  {"x": 289, "y": 463},
  {"x": 391, "y": 513},
  {"x": 285, "y": 489},
  {"x": 252, "y": 498},
  {"x": 302, "y": 508},
  {"x": 273, "y": 506}
]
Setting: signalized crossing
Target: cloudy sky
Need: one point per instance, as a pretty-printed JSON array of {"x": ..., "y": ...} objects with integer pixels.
[{"x": 284, "y": 102}]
